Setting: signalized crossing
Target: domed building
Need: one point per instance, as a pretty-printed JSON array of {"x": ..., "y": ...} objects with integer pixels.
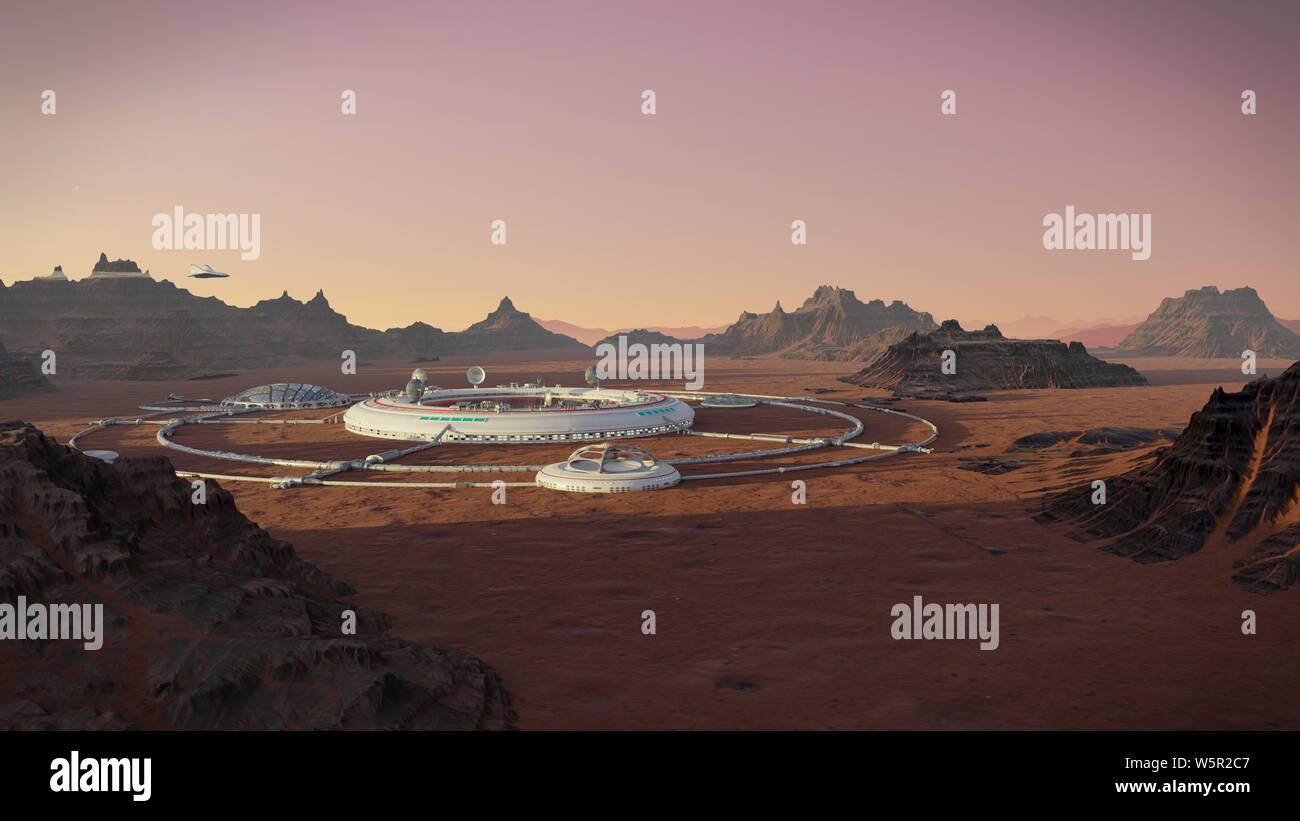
[{"x": 287, "y": 396}]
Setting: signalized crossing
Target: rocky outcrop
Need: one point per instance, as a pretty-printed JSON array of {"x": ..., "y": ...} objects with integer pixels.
[
  {"x": 210, "y": 623},
  {"x": 20, "y": 377},
  {"x": 56, "y": 274},
  {"x": 118, "y": 266},
  {"x": 832, "y": 324},
  {"x": 1232, "y": 477},
  {"x": 137, "y": 328},
  {"x": 642, "y": 336},
  {"x": 1207, "y": 323},
  {"x": 986, "y": 360},
  {"x": 509, "y": 329},
  {"x": 1092, "y": 442}
]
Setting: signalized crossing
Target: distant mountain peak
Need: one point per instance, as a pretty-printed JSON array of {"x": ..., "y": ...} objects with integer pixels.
[{"x": 1208, "y": 323}]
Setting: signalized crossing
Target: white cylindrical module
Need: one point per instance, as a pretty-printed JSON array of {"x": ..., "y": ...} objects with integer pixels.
[
  {"x": 608, "y": 468},
  {"x": 520, "y": 415}
]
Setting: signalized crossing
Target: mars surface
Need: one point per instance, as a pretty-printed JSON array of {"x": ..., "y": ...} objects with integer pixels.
[{"x": 771, "y": 613}]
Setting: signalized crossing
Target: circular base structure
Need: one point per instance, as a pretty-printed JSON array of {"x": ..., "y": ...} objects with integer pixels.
[
  {"x": 728, "y": 400},
  {"x": 608, "y": 468},
  {"x": 286, "y": 396},
  {"x": 109, "y": 456},
  {"x": 519, "y": 414}
]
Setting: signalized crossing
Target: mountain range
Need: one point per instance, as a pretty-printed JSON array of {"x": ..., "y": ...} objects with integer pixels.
[
  {"x": 139, "y": 328},
  {"x": 831, "y": 324}
]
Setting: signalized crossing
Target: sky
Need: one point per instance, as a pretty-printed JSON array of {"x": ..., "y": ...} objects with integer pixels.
[{"x": 766, "y": 113}]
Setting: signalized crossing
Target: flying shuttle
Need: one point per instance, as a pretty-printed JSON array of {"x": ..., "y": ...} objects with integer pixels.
[{"x": 205, "y": 272}]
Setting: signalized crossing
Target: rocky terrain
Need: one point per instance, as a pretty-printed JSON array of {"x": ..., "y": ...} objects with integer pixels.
[
  {"x": 138, "y": 328},
  {"x": 118, "y": 266},
  {"x": 1207, "y": 323},
  {"x": 831, "y": 324},
  {"x": 1092, "y": 442},
  {"x": 210, "y": 622},
  {"x": 19, "y": 376},
  {"x": 986, "y": 360},
  {"x": 1232, "y": 477}
]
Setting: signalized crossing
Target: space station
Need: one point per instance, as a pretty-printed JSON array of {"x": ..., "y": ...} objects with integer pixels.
[
  {"x": 424, "y": 416},
  {"x": 516, "y": 413}
]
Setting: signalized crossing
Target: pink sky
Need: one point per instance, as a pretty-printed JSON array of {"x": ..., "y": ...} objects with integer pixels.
[{"x": 767, "y": 112}]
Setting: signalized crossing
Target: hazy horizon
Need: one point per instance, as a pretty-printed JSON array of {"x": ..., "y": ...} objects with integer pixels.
[{"x": 766, "y": 114}]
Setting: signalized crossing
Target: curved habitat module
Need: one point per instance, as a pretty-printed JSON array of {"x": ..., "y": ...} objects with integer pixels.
[{"x": 608, "y": 468}]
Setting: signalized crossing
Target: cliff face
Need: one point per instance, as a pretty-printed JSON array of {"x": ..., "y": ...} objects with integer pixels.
[
  {"x": 210, "y": 623},
  {"x": 832, "y": 324},
  {"x": 986, "y": 360},
  {"x": 1232, "y": 477},
  {"x": 1208, "y": 323},
  {"x": 20, "y": 377},
  {"x": 143, "y": 329}
]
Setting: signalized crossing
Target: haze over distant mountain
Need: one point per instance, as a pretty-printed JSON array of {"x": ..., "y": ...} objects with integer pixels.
[
  {"x": 1096, "y": 336},
  {"x": 831, "y": 324},
  {"x": 139, "y": 328},
  {"x": 1231, "y": 478},
  {"x": 592, "y": 336},
  {"x": 1207, "y": 323},
  {"x": 986, "y": 360},
  {"x": 641, "y": 336}
]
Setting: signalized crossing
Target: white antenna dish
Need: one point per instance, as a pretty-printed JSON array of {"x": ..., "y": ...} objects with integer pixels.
[
  {"x": 593, "y": 379},
  {"x": 420, "y": 374},
  {"x": 476, "y": 375},
  {"x": 414, "y": 390}
]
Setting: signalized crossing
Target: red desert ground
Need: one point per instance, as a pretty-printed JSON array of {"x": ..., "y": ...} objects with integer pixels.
[{"x": 771, "y": 614}]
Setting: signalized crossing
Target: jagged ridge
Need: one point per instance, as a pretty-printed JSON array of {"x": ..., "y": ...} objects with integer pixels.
[{"x": 1233, "y": 475}]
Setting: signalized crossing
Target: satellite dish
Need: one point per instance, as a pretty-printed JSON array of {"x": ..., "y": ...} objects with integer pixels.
[
  {"x": 476, "y": 375},
  {"x": 591, "y": 376},
  {"x": 414, "y": 390},
  {"x": 420, "y": 374}
]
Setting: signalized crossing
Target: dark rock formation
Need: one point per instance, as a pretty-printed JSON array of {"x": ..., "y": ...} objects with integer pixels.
[
  {"x": 1211, "y": 324},
  {"x": 20, "y": 377},
  {"x": 56, "y": 274},
  {"x": 1233, "y": 475},
  {"x": 509, "y": 329},
  {"x": 1093, "y": 442},
  {"x": 210, "y": 623},
  {"x": 119, "y": 266},
  {"x": 135, "y": 327},
  {"x": 831, "y": 324},
  {"x": 641, "y": 336},
  {"x": 986, "y": 360}
]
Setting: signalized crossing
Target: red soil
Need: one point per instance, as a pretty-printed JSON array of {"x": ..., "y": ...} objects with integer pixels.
[{"x": 772, "y": 614}]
